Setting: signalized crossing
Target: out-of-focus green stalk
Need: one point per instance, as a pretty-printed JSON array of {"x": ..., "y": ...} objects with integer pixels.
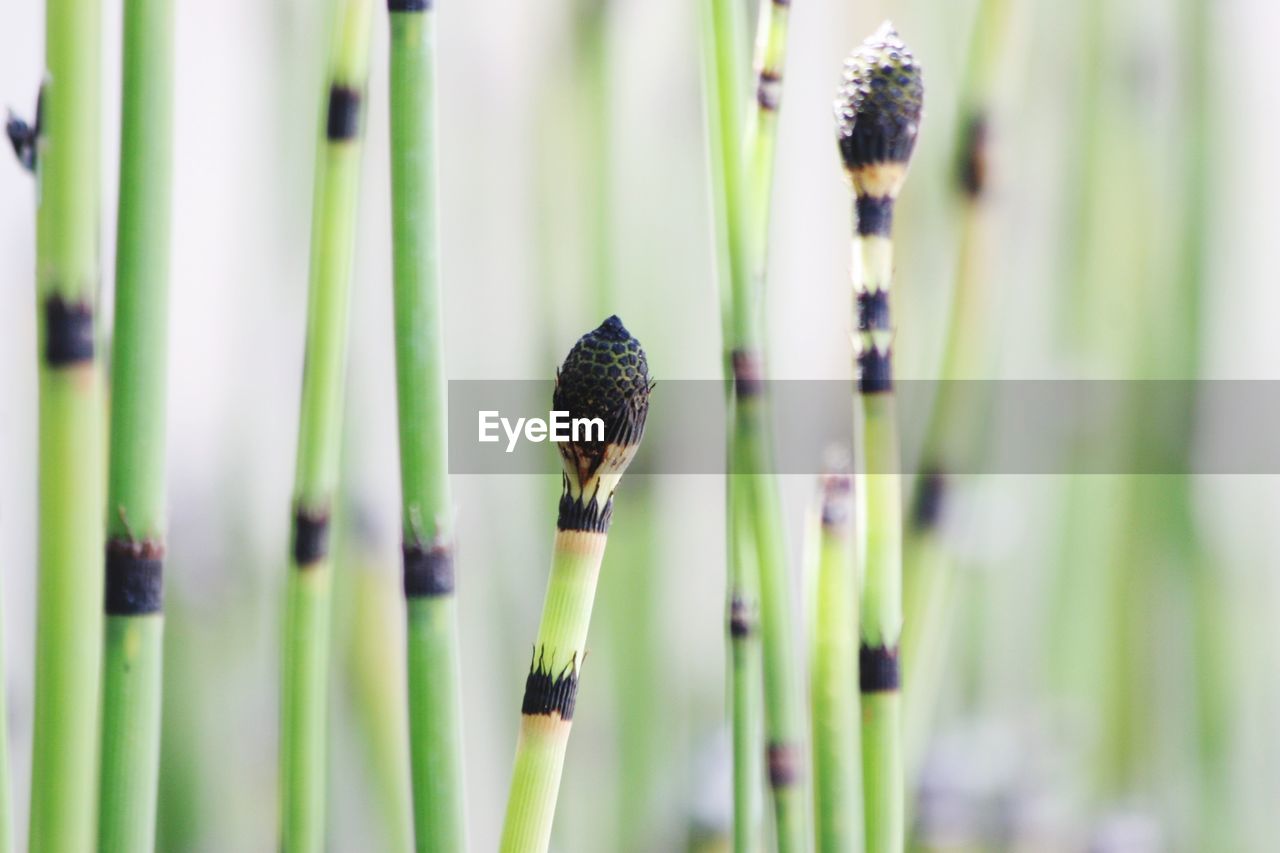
[
  {"x": 375, "y": 672},
  {"x": 435, "y": 725},
  {"x": 6, "y": 799},
  {"x": 833, "y": 689},
  {"x": 70, "y": 538},
  {"x": 929, "y": 582},
  {"x": 724, "y": 87},
  {"x": 306, "y": 660},
  {"x": 133, "y": 663},
  {"x": 742, "y": 180}
]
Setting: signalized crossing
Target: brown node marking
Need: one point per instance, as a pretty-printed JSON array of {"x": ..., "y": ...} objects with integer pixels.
[
  {"x": 784, "y": 764},
  {"x": 742, "y": 619},
  {"x": 546, "y": 693},
  {"x": 748, "y": 373},
  {"x": 974, "y": 166},
  {"x": 428, "y": 572},
  {"x": 930, "y": 500},
  {"x": 134, "y": 583},
  {"x": 68, "y": 332},
  {"x": 878, "y": 669},
  {"x": 343, "y": 123},
  {"x": 310, "y": 536}
]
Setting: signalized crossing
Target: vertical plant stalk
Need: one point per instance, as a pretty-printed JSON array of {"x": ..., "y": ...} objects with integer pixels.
[
  {"x": 70, "y": 539},
  {"x": 742, "y": 180},
  {"x": 435, "y": 724},
  {"x": 592, "y": 470},
  {"x": 6, "y": 797},
  {"x": 133, "y": 653},
  {"x": 929, "y": 581},
  {"x": 306, "y": 654},
  {"x": 833, "y": 697},
  {"x": 783, "y": 698},
  {"x": 878, "y": 115},
  {"x": 724, "y": 86}
]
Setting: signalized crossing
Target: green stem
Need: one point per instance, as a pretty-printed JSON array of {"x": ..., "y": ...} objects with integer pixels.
[
  {"x": 70, "y": 538},
  {"x": 879, "y": 490},
  {"x": 724, "y": 86},
  {"x": 133, "y": 661},
  {"x": 306, "y": 653},
  {"x": 742, "y": 177},
  {"x": 427, "y": 511},
  {"x": 832, "y": 690},
  {"x": 375, "y": 677},
  {"x": 547, "y": 712}
]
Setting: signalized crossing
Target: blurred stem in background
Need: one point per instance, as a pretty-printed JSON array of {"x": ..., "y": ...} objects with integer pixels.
[
  {"x": 929, "y": 570},
  {"x": 70, "y": 538},
  {"x": 833, "y": 692},
  {"x": 422, "y": 394},
  {"x": 6, "y": 797},
  {"x": 304, "y": 697},
  {"x": 374, "y": 674},
  {"x": 136, "y": 520},
  {"x": 722, "y": 34},
  {"x": 742, "y": 179}
]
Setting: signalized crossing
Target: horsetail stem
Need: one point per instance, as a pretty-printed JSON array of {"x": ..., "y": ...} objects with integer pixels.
[
  {"x": 878, "y": 115},
  {"x": 832, "y": 691},
  {"x": 928, "y": 568},
  {"x": 721, "y": 30},
  {"x": 135, "y": 550},
  {"x": 305, "y": 689},
  {"x": 435, "y": 725},
  {"x": 757, "y": 571},
  {"x": 784, "y": 714},
  {"x": 604, "y": 376},
  {"x": 68, "y": 664}
]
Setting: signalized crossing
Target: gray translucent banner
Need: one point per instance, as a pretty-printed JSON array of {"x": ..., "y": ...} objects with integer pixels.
[{"x": 992, "y": 427}]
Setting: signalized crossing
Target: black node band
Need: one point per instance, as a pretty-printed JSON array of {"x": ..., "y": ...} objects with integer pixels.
[
  {"x": 784, "y": 765},
  {"x": 878, "y": 669},
  {"x": 873, "y": 311},
  {"x": 428, "y": 572},
  {"x": 875, "y": 371},
  {"x": 588, "y": 516},
  {"x": 742, "y": 623},
  {"x": 409, "y": 5},
  {"x": 310, "y": 537},
  {"x": 930, "y": 499},
  {"x": 548, "y": 694},
  {"x": 875, "y": 215},
  {"x": 68, "y": 332},
  {"x": 344, "y": 113},
  {"x": 134, "y": 578}
]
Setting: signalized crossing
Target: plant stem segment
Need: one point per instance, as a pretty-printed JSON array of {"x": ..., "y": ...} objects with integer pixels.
[
  {"x": 70, "y": 538},
  {"x": 427, "y": 511},
  {"x": 136, "y": 520},
  {"x": 305, "y": 687},
  {"x": 604, "y": 376},
  {"x": 878, "y": 116},
  {"x": 833, "y": 691},
  {"x": 742, "y": 169}
]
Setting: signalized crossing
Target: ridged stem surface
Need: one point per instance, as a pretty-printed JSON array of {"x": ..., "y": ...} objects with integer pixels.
[
  {"x": 427, "y": 513},
  {"x": 833, "y": 688},
  {"x": 70, "y": 456},
  {"x": 304, "y": 695},
  {"x": 133, "y": 652},
  {"x": 557, "y": 658}
]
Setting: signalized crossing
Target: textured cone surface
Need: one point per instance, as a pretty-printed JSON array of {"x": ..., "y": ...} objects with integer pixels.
[
  {"x": 606, "y": 376},
  {"x": 880, "y": 102}
]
